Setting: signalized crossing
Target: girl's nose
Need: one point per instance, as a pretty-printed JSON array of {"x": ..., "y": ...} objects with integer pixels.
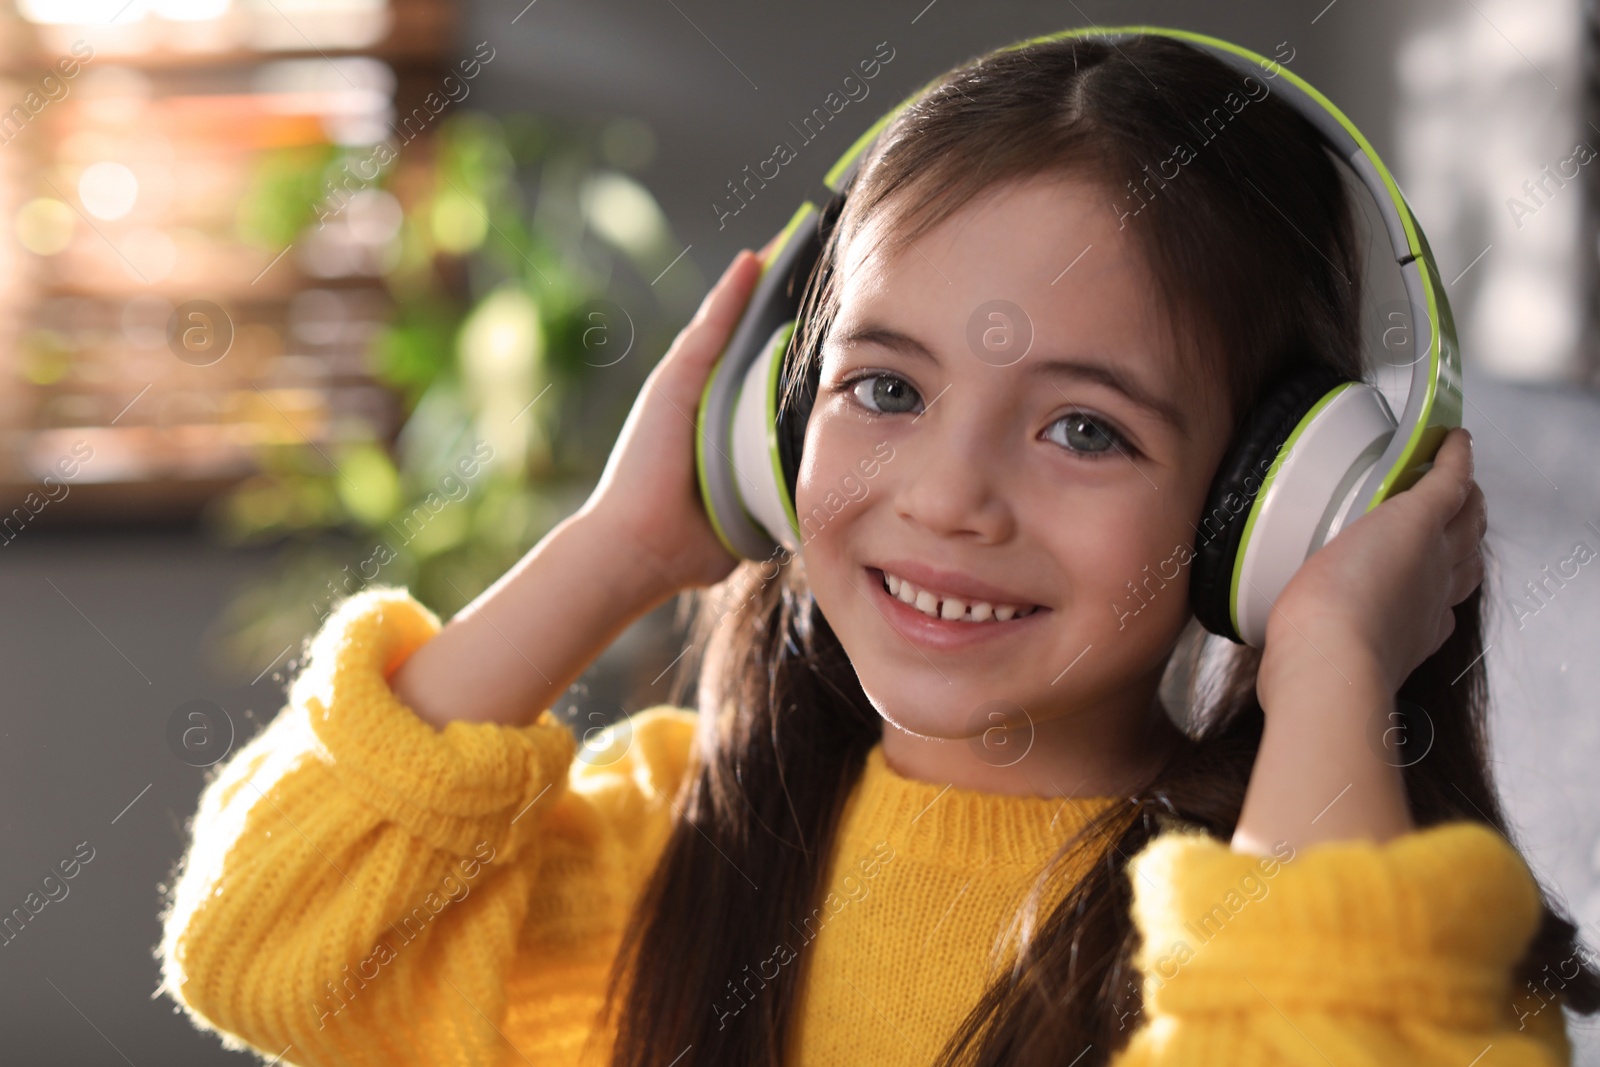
[{"x": 954, "y": 481}]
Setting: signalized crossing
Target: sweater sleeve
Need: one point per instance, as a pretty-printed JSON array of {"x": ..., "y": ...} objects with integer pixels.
[
  {"x": 1349, "y": 952},
  {"x": 360, "y": 885}
]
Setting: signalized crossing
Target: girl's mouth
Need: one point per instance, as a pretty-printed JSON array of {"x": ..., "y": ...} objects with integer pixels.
[{"x": 946, "y": 623}]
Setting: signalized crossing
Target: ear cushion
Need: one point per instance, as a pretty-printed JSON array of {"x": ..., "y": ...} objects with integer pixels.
[
  {"x": 1252, "y": 454},
  {"x": 792, "y": 421}
]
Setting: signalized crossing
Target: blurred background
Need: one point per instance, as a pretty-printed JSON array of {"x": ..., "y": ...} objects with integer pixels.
[{"x": 276, "y": 275}]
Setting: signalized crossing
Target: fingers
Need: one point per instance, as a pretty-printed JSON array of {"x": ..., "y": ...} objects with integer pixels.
[
  {"x": 704, "y": 338},
  {"x": 1454, "y": 497},
  {"x": 1464, "y": 541},
  {"x": 1450, "y": 478},
  {"x": 722, "y": 305},
  {"x": 1465, "y": 577},
  {"x": 1446, "y": 627},
  {"x": 1464, "y": 510},
  {"x": 1464, "y": 532}
]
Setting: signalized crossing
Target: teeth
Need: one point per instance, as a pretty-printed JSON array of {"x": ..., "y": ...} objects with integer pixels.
[{"x": 951, "y": 608}]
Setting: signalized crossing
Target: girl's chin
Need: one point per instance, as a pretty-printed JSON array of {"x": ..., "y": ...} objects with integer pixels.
[
  {"x": 924, "y": 731},
  {"x": 959, "y": 723}
]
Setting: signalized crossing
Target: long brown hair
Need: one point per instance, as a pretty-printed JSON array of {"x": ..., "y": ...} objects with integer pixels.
[{"x": 1255, "y": 251}]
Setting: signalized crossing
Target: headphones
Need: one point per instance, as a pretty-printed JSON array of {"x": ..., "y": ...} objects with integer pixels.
[{"x": 1315, "y": 453}]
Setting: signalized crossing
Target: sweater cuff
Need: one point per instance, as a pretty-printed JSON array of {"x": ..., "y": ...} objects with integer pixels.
[
  {"x": 1427, "y": 925},
  {"x": 453, "y": 788}
]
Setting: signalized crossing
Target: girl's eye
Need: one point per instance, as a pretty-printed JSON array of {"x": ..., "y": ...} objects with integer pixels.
[
  {"x": 884, "y": 394},
  {"x": 1084, "y": 434}
]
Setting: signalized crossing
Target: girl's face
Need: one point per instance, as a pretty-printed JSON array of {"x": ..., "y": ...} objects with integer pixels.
[{"x": 1001, "y": 418}]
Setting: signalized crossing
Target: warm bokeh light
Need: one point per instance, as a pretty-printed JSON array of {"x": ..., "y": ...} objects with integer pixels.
[
  {"x": 108, "y": 190},
  {"x": 130, "y": 27},
  {"x": 620, "y": 210},
  {"x": 45, "y": 226}
]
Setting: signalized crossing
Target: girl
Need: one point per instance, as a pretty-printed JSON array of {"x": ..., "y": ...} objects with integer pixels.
[{"x": 891, "y": 838}]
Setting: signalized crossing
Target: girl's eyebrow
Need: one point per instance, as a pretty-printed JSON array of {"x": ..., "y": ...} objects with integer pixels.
[{"x": 1100, "y": 373}]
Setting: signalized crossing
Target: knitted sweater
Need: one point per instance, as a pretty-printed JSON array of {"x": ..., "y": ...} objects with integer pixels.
[{"x": 363, "y": 888}]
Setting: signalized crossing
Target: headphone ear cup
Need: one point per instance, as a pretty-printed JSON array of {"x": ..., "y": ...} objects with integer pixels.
[
  {"x": 792, "y": 420},
  {"x": 1254, "y": 452},
  {"x": 736, "y": 456}
]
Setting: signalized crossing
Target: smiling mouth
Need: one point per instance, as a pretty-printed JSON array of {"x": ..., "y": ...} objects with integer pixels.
[{"x": 949, "y": 608}]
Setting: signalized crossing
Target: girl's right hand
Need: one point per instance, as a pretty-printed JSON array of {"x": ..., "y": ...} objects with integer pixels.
[{"x": 648, "y": 499}]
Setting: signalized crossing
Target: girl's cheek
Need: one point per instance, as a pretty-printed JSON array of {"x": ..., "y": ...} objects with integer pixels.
[
  {"x": 1117, "y": 551},
  {"x": 838, "y": 452}
]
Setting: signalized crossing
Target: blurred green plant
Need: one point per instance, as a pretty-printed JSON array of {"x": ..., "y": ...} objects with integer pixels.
[{"x": 524, "y": 322}]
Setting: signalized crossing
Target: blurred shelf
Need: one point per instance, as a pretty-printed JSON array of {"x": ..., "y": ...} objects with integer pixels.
[
  {"x": 107, "y": 503},
  {"x": 134, "y": 182}
]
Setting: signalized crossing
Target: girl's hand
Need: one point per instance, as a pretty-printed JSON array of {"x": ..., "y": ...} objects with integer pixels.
[
  {"x": 648, "y": 498},
  {"x": 1380, "y": 595},
  {"x": 641, "y": 537},
  {"x": 1358, "y": 617}
]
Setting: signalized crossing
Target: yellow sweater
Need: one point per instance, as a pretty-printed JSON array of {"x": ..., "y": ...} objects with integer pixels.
[{"x": 362, "y": 888}]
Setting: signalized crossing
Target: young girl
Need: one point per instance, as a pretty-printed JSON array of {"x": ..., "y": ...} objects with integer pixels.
[{"x": 891, "y": 838}]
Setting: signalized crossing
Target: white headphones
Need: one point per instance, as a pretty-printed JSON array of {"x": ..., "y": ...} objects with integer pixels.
[{"x": 1314, "y": 454}]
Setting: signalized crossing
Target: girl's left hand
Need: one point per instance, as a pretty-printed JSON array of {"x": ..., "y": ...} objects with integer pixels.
[{"x": 1380, "y": 595}]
